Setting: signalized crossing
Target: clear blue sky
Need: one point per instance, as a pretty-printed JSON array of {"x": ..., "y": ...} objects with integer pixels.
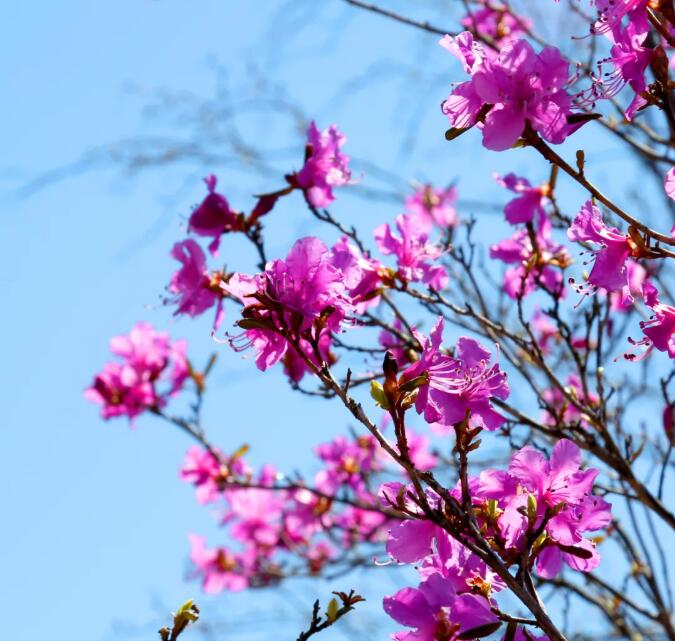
[{"x": 95, "y": 519}]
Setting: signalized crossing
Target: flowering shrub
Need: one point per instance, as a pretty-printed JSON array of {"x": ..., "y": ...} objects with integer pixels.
[{"x": 491, "y": 461}]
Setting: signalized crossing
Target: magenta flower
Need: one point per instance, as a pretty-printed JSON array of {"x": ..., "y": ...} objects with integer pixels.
[
  {"x": 436, "y": 612},
  {"x": 637, "y": 276},
  {"x": 394, "y": 344},
  {"x": 255, "y": 515},
  {"x": 347, "y": 464},
  {"x": 457, "y": 387},
  {"x": 609, "y": 269},
  {"x": 325, "y": 167},
  {"x": 669, "y": 183},
  {"x": 194, "y": 289},
  {"x": 496, "y": 22},
  {"x": 535, "y": 264},
  {"x": 130, "y": 387},
  {"x": 214, "y": 217},
  {"x": 567, "y": 412},
  {"x": 219, "y": 568},
  {"x": 434, "y": 206},
  {"x": 559, "y": 484},
  {"x": 292, "y": 293},
  {"x": 630, "y": 59},
  {"x": 529, "y": 203},
  {"x": 362, "y": 274},
  {"x": 413, "y": 251},
  {"x": 514, "y": 88},
  {"x": 659, "y": 329}
]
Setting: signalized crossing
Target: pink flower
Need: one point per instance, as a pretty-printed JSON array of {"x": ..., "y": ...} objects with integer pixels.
[
  {"x": 457, "y": 387},
  {"x": 496, "y": 22},
  {"x": 669, "y": 423},
  {"x": 436, "y": 612},
  {"x": 559, "y": 485},
  {"x": 659, "y": 329},
  {"x": 131, "y": 387},
  {"x": 303, "y": 290},
  {"x": 535, "y": 263},
  {"x": 219, "y": 568},
  {"x": 529, "y": 203},
  {"x": 669, "y": 183},
  {"x": 630, "y": 59},
  {"x": 567, "y": 412},
  {"x": 347, "y": 464},
  {"x": 255, "y": 515},
  {"x": 637, "y": 276},
  {"x": 413, "y": 251},
  {"x": 516, "y": 87},
  {"x": 435, "y": 206},
  {"x": 194, "y": 289},
  {"x": 544, "y": 330},
  {"x": 609, "y": 269},
  {"x": 214, "y": 217},
  {"x": 393, "y": 343},
  {"x": 362, "y": 274},
  {"x": 325, "y": 167}
]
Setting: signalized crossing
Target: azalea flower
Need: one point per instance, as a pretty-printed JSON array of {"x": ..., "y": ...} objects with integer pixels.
[
  {"x": 325, "y": 167},
  {"x": 515, "y": 87}
]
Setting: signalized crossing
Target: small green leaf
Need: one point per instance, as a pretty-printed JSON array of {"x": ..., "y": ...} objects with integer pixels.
[{"x": 377, "y": 392}]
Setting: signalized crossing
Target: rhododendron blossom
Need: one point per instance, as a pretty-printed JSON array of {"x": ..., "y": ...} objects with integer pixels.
[
  {"x": 457, "y": 388},
  {"x": 214, "y": 217},
  {"x": 609, "y": 268},
  {"x": 506, "y": 92},
  {"x": 414, "y": 253},
  {"x": 325, "y": 166},
  {"x": 659, "y": 329},
  {"x": 435, "y": 206},
  {"x": 529, "y": 203},
  {"x": 151, "y": 370},
  {"x": 195, "y": 290}
]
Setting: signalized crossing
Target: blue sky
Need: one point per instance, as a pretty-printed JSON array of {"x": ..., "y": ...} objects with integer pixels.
[{"x": 96, "y": 521}]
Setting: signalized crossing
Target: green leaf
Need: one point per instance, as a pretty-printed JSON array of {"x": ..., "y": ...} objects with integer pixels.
[{"x": 377, "y": 392}]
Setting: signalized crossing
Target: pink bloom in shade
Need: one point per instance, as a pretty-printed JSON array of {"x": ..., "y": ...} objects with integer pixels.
[
  {"x": 413, "y": 251},
  {"x": 659, "y": 329},
  {"x": 534, "y": 263},
  {"x": 515, "y": 87},
  {"x": 669, "y": 182},
  {"x": 544, "y": 330},
  {"x": 392, "y": 343},
  {"x": 194, "y": 289},
  {"x": 121, "y": 391},
  {"x": 295, "y": 366},
  {"x": 529, "y": 203},
  {"x": 669, "y": 422},
  {"x": 219, "y": 568},
  {"x": 637, "y": 275},
  {"x": 362, "y": 274},
  {"x": 435, "y": 206},
  {"x": 559, "y": 481},
  {"x": 208, "y": 474},
  {"x": 567, "y": 412},
  {"x": 420, "y": 454},
  {"x": 325, "y": 167},
  {"x": 459, "y": 386},
  {"x": 496, "y": 22},
  {"x": 612, "y": 13},
  {"x": 436, "y": 612},
  {"x": 254, "y": 515},
  {"x": 359, "y": 525},
  {"x": 609, "y": 268},
  {"x": 347, "y": 464},
  {"x": 214, "y": 217},
  {"x": 130, "y": 387}
]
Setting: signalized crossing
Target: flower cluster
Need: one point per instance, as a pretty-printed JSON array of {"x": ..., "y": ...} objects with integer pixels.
[
  {"x": 151, "y": 369},
  {"x": 538, "y": 507},
  {"x": 506, "y": 91}
]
